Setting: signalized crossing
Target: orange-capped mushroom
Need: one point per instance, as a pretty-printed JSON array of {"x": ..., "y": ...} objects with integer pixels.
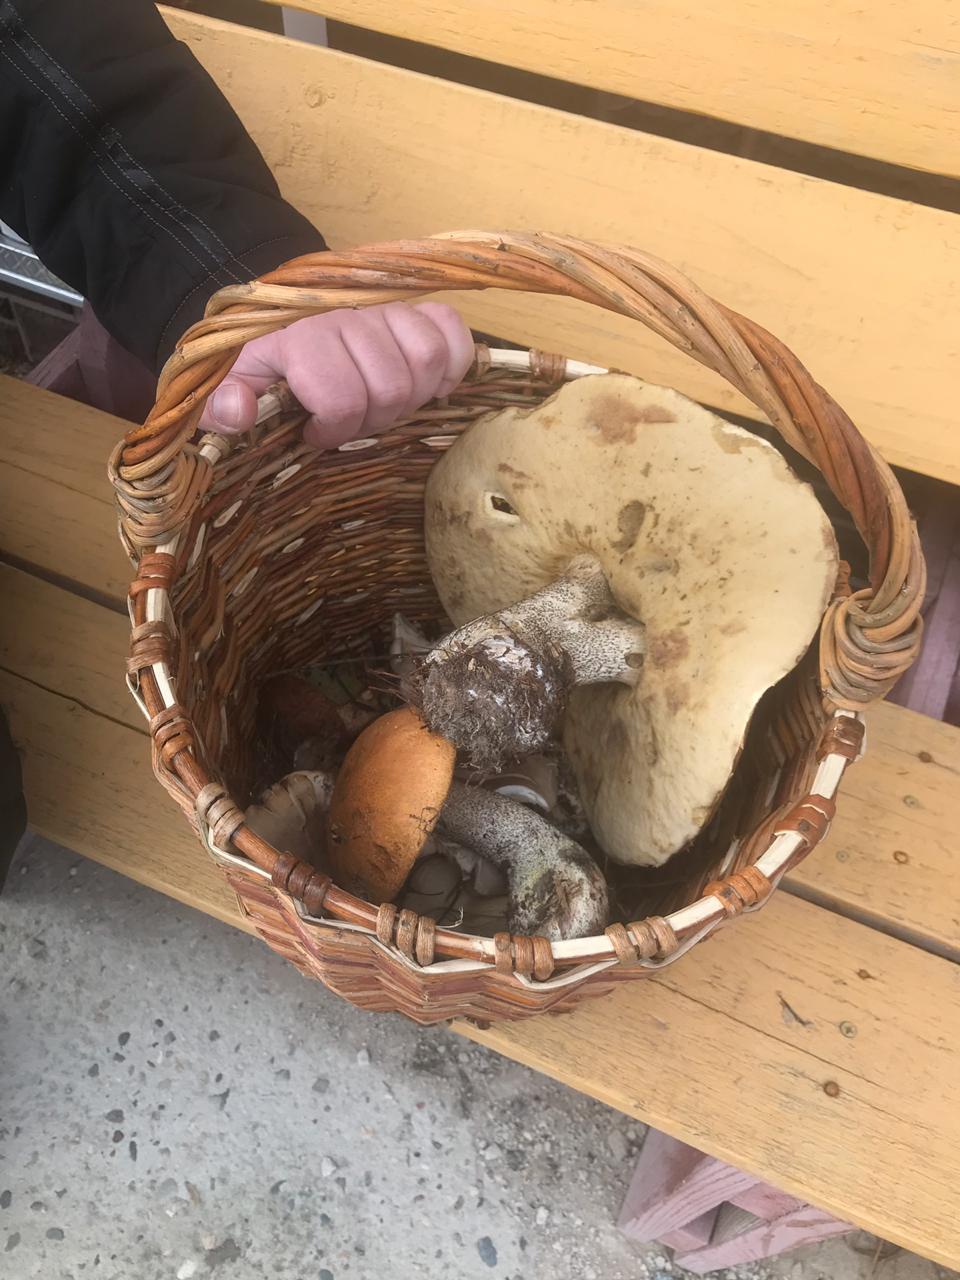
[{"x": 386, "y": 802}]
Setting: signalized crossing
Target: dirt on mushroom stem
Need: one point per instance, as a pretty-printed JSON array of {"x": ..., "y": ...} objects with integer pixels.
[
  {"x": 497, "y": 687},
  {"x": 496, "y": 701},
  {"x": 556, "y": 889}
]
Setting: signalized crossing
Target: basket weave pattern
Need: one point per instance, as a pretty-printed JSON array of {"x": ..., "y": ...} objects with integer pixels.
[{"x": 259, "y": 556}]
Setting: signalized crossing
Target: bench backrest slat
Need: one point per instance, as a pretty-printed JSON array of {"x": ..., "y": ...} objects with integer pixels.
[
  {"x": 860, "y": 286},
  {"x": 880, "y": 81}
]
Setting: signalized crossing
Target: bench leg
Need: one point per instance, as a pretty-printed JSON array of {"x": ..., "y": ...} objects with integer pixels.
[
  {"x": 740, "y": 1237},
  {"x": 673, "y": 1185},
  {"x": 711, "y": 1214}
]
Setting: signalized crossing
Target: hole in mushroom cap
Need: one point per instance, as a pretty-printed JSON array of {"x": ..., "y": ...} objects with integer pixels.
[{"x": 498, "y": 506}]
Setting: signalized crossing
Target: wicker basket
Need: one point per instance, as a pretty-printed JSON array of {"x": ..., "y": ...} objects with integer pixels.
[{"x": 260, "y": 555}]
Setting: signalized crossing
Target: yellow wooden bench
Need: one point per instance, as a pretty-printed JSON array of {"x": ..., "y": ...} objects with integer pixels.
[{"x": 816, "y": 1045}]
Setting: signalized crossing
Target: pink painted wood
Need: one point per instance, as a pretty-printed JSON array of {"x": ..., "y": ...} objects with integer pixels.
[
  {"x": 932, "y": 685},
  {"x": 740, "y": 1237},
  {"x": 673, "y": 1185},
  {"x": 91, "y": 367},
  {"x": 694, "y": 1235},
  {"x": 711, "y": 1214},
  {"x": 764, "y": 1201}
]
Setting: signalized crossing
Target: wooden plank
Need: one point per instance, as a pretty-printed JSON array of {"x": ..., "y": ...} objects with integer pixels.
[
  {"x": 887, "y": 89},
  {"x": 890, "y": 859},
  {"x": 833, "y": 1105},
  {"x": 57, "y": 510},
  {"x": 887, "y": 860},
  {"x": 64, "y": 643},
  {"x": 711, "y": 1213},
  {"x": 674, "y": 1185},
  {"x": 825, "y": 1107},
  {"x": 89, "y": 786},
  {"x": 739, "y": 1237},
  {"x": 857, "y": 284}
]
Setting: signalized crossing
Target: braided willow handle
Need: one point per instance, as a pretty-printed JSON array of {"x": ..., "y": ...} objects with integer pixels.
[{"x": 868, "y": 639}]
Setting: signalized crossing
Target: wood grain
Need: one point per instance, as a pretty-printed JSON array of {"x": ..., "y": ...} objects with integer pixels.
[
  {"x": 706, "y": 1051},
  {"x": 56, "y": 505},
  {"x": 89, "y": 787},
  {"x": 831, "y": 1105},
  {"x": 858, "y": 285},
  {"x": 890, "y": 859},
  {"x": 739, "y": 1237},
  {"x": 64, "y": 643},
  {"x": 886, "y": 861},
  {"x": 887, "y": 89},
  {"x": 673, "y": 1186}
]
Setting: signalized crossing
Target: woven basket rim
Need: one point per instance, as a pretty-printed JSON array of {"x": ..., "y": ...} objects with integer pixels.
[
  {"x": 867, "y": 639},
  {"x": 688, "y": 925}
]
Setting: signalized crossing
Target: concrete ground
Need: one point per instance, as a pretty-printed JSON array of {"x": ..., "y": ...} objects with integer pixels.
[{"x": 176, "y": 1101}]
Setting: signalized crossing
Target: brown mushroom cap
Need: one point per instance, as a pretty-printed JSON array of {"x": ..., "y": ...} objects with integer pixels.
[
  {"x": 386, "y": 801},
  {"x": 704, "y": 534}
]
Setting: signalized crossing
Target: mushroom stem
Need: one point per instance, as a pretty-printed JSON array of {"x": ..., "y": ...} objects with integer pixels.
[
  {"x": 497, "y": 686},
  {"x": 556, "y": 889}
]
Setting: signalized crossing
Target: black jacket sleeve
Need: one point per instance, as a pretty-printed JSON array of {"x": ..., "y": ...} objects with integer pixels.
[{"x": 126, "y": 170}]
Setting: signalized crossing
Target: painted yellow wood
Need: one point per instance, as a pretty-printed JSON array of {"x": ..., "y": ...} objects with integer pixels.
[
  {"x": 56, "y": 505},
  {"x": 888, "y": 861},
  {"x": 885, "y": 88},
  {"x": 814, "y": 1052},
  {"x": 891, "y": 857},
  {"x": 860, "y": 286},
  {"x": 89, "y": 786},
  {"x": 817, "y": 1054}
]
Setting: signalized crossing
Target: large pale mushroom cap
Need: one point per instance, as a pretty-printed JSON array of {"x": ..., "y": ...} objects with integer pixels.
[{"x": 705, "y": 535}]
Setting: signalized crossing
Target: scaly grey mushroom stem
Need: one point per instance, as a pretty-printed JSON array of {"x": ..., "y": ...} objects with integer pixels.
[
  {"x": 496, "y": 687},
  {"x": 556, "y": 889}
]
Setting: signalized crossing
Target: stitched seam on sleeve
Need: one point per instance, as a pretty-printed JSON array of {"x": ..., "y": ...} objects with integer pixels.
[
  {"x": 146, "y": 213},
  {"x": 203, "y": 283},
  {"x": 231, "y": 257},
  {"x": 136, "y": 198}
]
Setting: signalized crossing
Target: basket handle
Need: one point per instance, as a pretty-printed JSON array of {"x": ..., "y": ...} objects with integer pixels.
[{"x": 868, "y": 639}]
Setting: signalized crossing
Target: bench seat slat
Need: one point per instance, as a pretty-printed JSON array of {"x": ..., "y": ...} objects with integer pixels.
[
  {"x": 898, "y": 801},
  {"x": 729, "y": 1050}
]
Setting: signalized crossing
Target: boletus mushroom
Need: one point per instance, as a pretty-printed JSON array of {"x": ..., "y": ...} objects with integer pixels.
[
  {"x": 396, "y": 787},
  {"x": 386, "y": 802},
  {"x": 498, "y": 685},
  {"x": 623, "y": 561}
]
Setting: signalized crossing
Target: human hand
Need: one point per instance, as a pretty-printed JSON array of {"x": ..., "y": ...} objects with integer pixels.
[{"x": 355, "y": 372}]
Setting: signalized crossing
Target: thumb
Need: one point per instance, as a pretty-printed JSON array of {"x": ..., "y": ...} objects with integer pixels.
[{"x": 232, "y": 407}]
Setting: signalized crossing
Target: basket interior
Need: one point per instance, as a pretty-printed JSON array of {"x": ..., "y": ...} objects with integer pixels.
[{"x": 296, "y": 558}]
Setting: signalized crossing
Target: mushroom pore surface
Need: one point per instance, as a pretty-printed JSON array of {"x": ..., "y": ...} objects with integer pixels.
[{"x": 703, "y": 535}]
